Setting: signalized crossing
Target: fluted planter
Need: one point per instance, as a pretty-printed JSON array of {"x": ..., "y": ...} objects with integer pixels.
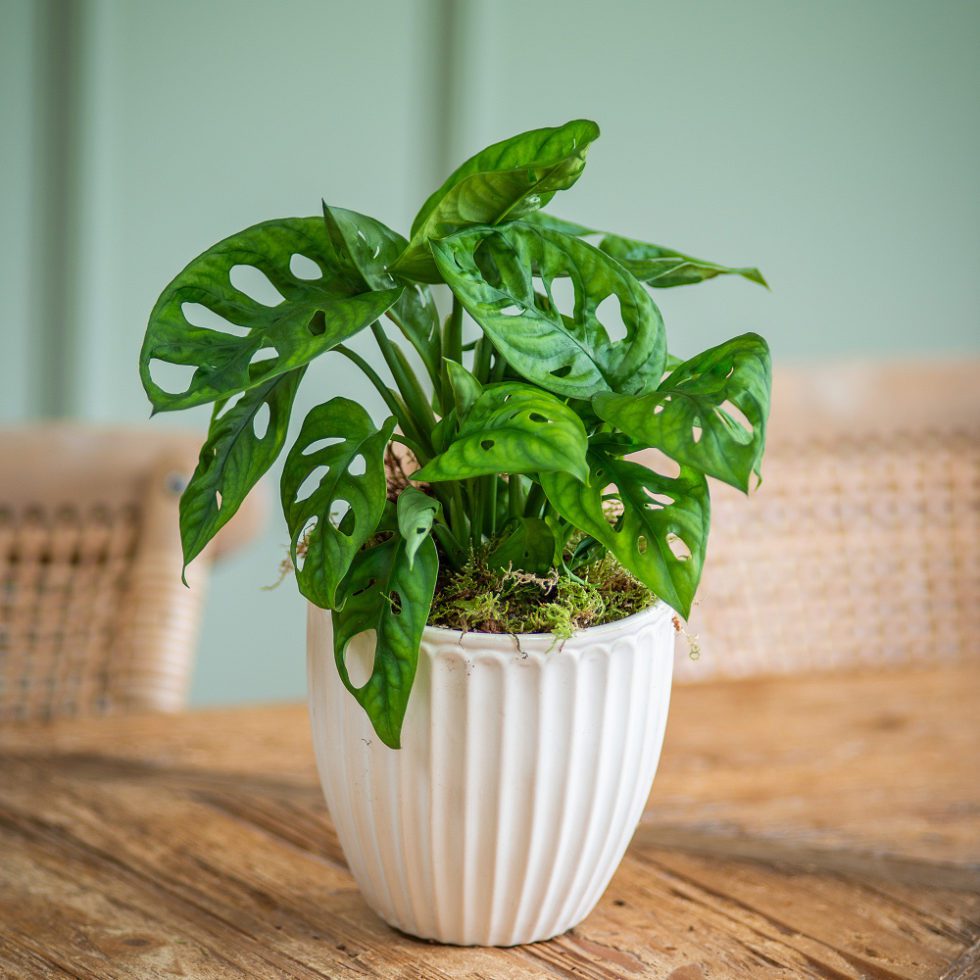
[{"x": 524, "y": 767}]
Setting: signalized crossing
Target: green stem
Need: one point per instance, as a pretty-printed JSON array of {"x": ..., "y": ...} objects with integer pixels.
[
  {"x": 453, "y": 549},
  {"x": 536, "y": 500},
  {"x": 411, "y": 391},
  {"x": 481, "y": 360},
  {"x": 499, "y": 366},
  {"x": 395, "y": 405},
  {"x": 411, "y": 444},
  {"x": 432, "y": 369},
  {"x": 515, "y": 496},
  {"x": 492, "y": 506}
]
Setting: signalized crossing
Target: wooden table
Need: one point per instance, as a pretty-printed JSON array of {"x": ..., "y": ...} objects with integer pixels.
[{"x": 809, "y": 826}]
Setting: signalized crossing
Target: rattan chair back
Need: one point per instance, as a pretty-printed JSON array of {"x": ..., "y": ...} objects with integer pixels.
[
  {"x": 93, "y": 616},
  {"x": 862, "y": 546}
]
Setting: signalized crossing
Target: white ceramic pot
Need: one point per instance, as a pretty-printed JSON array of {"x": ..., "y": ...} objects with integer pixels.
[{"x": 524, "y": 768}]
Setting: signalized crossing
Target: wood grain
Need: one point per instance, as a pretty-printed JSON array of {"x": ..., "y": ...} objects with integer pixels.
[{"x": 805, "y": 826}]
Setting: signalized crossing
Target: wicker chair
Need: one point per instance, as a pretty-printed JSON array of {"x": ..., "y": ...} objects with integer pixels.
[
  {"x": 862, "y": 547},
  {"x": 93, "y": 616}
]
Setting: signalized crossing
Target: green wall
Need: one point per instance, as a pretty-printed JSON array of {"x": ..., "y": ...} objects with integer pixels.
[{"x": 833, "y": 144}]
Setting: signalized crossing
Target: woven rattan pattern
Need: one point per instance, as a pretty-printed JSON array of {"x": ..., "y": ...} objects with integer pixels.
[
  {"x": 93, "y": 616},
  {"x": 855, "y": 552},
  {"x": 63, "y": 579}
]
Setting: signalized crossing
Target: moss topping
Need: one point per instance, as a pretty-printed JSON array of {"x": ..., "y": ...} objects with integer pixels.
[{"x": 477, "y": 598}]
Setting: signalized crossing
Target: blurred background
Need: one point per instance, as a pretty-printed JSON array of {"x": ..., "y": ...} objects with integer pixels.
[{"x": 834, "y": 145}]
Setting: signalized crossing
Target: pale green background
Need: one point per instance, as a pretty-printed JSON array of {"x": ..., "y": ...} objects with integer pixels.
[{"x": 835, "y": 144}]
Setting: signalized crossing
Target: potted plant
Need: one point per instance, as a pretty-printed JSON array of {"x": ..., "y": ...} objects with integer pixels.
[{"x": 484, "y": 779}]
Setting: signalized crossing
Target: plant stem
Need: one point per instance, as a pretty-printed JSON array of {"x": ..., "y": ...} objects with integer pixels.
[
  {"x": 535, "y": 501},
  {"x": 395, "y": 405},
  {"x": 481, "y": 361},
  {"x": 453, "y": 549},
  {"x": 492, "y": 505},
  {"x": 515, "y": 496},
  {"x": 410, "y": 443},
  {"x": 411, "y": 391}
]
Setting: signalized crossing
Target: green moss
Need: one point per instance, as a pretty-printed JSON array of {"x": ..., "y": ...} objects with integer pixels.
[{"x": 480, "y": 599}]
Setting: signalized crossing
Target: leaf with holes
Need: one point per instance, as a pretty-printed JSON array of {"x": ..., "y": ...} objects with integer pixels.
[
  {"x": 306, "y": 317},
  {"x": 692, "y": 415},
  {"x": 365, "y": 248},
  {"x": 238, "y": 451},
  {"x": 416, "y": 512},
  {"x": 662, "y": 532},
  {"x": 501, "y": 183},
  {"x": 529, "y": 545},
  {"x": 335, "y": 435},
  {"x": 512, "y": 428},
  {"x": 654, "y": 265},
  {"x": 384, "y": 593},
  {"x": 571, "y": 355}
]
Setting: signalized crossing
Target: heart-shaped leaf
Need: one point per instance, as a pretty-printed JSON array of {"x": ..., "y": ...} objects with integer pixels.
[
  {"x": 655, "y": 265},
  {"x": 691, "y": 416},
  {"x": 384, "y": 593},
  {"x": 309, "y": 316},
  {"x": 570, "y": 354},
  {"x": 529, "y": 545},
  {"x": 416, "y": 512},
  {"x": 234, "y": 457},
  {"x": 339, "y": 441},
  {"x": 513, "y": 428},
  {"x": 501, "y": 183},
  {"x": 661, "y": 534},
  {"x": 366, "y": 249}
]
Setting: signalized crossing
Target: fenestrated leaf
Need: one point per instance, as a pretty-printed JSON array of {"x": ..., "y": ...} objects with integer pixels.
[
  {"x": 656, "y": 265},
  {"x": 365, "y": 248},
  {"x": 529, "y": 545},
  {"x": 512, "y": 428},
  {"x": 416, "y": 512},
  {"x": 571, "y": 355},
  {"x": 688, "y": 416},
  {"x": 501, "y": 183},
  {"x": 334, "y": 435},
  {"x": 233, "y": 459},
  {"x": 382, "y": 592},
  {"x": 313, "y": 316},
  {"x": 662, "y": 532}
]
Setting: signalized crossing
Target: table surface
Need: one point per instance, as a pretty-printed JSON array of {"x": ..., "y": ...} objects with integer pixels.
[{"x": 800, "y": 826}]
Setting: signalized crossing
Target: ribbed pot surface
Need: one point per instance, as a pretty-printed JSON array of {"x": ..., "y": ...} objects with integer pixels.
[{"x": 524, "y": 768}]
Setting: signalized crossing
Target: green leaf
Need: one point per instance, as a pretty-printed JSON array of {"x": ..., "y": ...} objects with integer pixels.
[
  {"x": 655, "y": 265},
  {"x": 416, "y": 512},
  {"x": 513, "y": 428},
  {"x": 365, "y": 248},
  {"x": 234, "y": 458},
  {"x": 529, "y": 545},
  {"x": 382, "y": 592},
  {"x": 571, "y": 355},
  {"x": 662, "y": 267},
  {"x": 661, "y": 534},
  {"x": 466, "y": 388},
  {"x": 253, "y": 341},
  {"x": 501, "y": 183},
  {"x": 690, "y": 416},
  {"x": 349, "y": 434}
]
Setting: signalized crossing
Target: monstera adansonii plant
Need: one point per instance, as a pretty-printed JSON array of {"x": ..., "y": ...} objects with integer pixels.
[{"x": 521, "y": 438}]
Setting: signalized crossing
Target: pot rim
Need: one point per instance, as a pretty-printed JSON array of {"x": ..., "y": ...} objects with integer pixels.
[{"x": 548, "y": 641}]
